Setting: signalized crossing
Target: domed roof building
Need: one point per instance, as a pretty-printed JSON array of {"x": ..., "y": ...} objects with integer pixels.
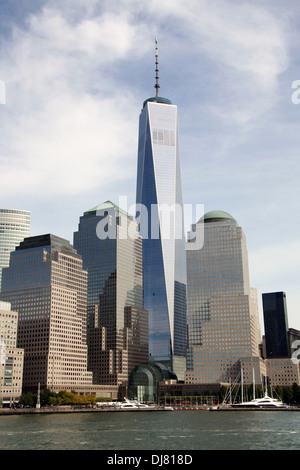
[
  {"x": 215, "y": 216},
  {"x": 223, "y": 324}
]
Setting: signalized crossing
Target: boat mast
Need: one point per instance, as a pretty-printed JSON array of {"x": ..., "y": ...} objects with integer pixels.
[{"x": 242, "y": 386}]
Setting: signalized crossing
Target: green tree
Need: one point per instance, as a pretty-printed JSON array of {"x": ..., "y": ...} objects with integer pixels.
[
  {"x": 296, "y": 393},
  {"x": 287, "y": 395},
  {"x": 28, "y": 399},
  {"x": 65, "y": 398},
  {"x": 47, "y": 397}
]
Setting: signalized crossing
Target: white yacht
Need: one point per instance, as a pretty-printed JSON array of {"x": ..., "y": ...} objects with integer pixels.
[
  {"x": 265, "y": 402},
  {"x": 134, "y": 404}
]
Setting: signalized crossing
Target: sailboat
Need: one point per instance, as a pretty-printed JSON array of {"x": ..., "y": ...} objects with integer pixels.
[{"x": 259, "y": 403}]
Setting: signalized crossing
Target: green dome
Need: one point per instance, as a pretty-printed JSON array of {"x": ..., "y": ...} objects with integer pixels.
[
  {"x": 214, "y": 216},
  {"x": 107, "y": 205}
]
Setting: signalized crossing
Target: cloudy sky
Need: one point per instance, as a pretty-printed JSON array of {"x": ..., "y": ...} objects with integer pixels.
[{"x": 74, "y": 75}]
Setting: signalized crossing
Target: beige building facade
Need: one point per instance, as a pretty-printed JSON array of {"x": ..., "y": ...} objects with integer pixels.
[
  {"x": 223, "y": 326},
  {"x": 11, "y": 357},
  {"x": 282, "y": 372},
  {"x": 47, "y": 285}
]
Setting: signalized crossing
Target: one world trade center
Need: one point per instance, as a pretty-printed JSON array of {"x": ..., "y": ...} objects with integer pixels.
[{"x": 160, "y": 215}]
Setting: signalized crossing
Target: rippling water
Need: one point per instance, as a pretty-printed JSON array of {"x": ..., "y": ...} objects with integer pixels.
[{"x": 179, "y": 430}]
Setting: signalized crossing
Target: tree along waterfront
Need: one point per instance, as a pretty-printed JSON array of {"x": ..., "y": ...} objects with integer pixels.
[
  {"x": 49, "y": 398},
  {"x": 289, "y": 395}
]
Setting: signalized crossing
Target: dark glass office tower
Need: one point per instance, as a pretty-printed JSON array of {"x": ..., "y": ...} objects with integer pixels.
[
  {"x": 160, "y": 215},
  {"x": 276, "y": 324},
  {"x": 111, "y": 249}
]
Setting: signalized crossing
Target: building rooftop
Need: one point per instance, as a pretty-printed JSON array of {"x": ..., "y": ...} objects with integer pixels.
[
  {"x": 157, "y": 99},
  {"x": 5, "y": 306},
  {"x": 214, "y": 216},
  {"x": 107, "y": 205},
  {"x": 56, "y": 243}
]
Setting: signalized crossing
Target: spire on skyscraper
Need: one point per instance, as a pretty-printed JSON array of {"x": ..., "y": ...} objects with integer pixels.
[
  {"x": 157, "y": 86},
  {"x": 157, "y": 98}
]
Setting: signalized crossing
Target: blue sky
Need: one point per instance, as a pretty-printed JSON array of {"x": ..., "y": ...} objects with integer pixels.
[{"x": 76, "y": 74}]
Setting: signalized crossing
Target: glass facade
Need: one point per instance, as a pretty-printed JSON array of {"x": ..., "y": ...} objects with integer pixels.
[
  {"x": 160, "y": 215},
  {"x": 276, "y": 324},
  {"x": 46, "y": 284},
  {"x": 145, "y": 378},
  {"x": 117, "y": 321},
  {"x": 14, "y": 227},
  {"x": 222, "y": 314}
]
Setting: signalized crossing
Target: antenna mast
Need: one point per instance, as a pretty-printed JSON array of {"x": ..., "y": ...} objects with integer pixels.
[{"x": 157, "y": 86}]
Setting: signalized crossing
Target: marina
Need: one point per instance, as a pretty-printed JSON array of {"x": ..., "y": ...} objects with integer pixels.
[
  {"x": 142, "y": 430},
  {"x": 146, "y": 408}
]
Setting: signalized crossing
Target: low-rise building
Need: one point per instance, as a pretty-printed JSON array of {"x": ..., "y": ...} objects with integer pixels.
[{"x": 11, "y": 357}]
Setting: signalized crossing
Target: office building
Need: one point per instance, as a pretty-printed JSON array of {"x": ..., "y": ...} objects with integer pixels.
[
  {"x": 46, "y": 284},
  {"x": 111, "y": 249},
  {"x": 222, "y": 311},
  {"x": 14, "y": 227},
  {"x": 282, "y": 371},
  {"x": 294, "y": 342},
  {"x": 160, "y": 216},
  {"x": 276, "y": 324},
  {"x": 11, "y": 357}
]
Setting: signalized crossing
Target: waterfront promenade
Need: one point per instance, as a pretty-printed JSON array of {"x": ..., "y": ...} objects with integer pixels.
[
  {"x": 94, "y": 409},
  {"x": 74, "y": 409}
]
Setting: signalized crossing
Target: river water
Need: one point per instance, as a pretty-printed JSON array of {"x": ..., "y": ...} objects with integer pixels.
[{"x": 166, "y": 431}]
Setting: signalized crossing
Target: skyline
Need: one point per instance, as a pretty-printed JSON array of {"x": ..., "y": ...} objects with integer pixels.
[{"x": 73, "y": 75}]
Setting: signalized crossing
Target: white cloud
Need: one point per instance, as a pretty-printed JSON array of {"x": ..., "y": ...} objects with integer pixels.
[
  {"x": 243, "y": 36},
  {"x": 104, "y": 38},
  {"x": 78, "y": 141},
  {"x": 69, "y": 127},
  {"x": 66, "y": 110},
  {"x": 247, "y": 45}
]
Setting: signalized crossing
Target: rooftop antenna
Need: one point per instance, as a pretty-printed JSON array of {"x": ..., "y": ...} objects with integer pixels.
[{"x": 157, "y": 86}]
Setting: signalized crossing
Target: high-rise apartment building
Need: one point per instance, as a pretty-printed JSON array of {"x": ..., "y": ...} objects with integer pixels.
[
  {"x": 276, "y": 324},
  {"x": 222, "y": 313},
  {"x": 14, "y": 227},
  {"x": 160, "y": 215},
  {"x": 111, "y": 249},
  {"x": 11, "y": 357},
  {"x": 46, "y": 284}
]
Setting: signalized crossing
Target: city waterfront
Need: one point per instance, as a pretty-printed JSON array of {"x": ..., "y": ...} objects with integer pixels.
[{"x": 167, "y": 431}]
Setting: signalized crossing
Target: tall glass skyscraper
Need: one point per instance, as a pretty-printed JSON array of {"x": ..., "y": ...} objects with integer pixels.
[
  {"x": 276, "y": 324},
  {"x": 117, "y": 333},
  {"x": 14, "y": 227},
  {"x": 160, "y": 215}
]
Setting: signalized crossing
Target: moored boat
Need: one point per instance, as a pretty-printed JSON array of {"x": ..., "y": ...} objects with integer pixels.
[{"x": 265, "y": 402}]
